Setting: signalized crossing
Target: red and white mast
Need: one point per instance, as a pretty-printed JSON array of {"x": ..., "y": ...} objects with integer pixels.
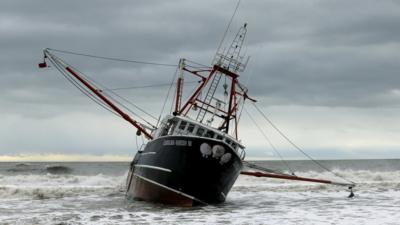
[{"x": 203, "y": 105}]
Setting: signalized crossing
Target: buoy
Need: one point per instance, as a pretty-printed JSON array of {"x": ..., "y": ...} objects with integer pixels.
[
  {"x": 351, "y": 192},
  {"x": 42, "y": 65}
]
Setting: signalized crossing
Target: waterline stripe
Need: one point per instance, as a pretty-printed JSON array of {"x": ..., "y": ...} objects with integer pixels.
[
  {"x": 154, "y": 167},
  {"x": 168, "y": 188},
  {"x": 149, "y": 153}
]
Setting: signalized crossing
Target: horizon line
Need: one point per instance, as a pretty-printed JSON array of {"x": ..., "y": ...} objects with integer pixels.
[{"x": 127, "y": 158}]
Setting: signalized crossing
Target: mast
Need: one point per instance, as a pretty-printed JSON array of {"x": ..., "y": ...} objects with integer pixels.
[
  {"x": 208, "y": 106},
  {"x": 179, "y": 86},
  {"x": 92, "y": 88}
]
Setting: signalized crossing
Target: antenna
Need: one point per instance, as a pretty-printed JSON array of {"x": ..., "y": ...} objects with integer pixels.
[
  {"x": 227, "y": 28},
  {"x": 231, "y": 58},
  {"x": 215, "y": 108}
]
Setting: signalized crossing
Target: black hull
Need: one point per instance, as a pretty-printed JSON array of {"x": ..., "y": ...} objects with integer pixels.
[{"x": 173, "y": 170}]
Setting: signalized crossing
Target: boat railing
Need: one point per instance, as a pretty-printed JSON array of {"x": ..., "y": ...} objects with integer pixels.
[
  {"x": 142, "y": 146},
  {"x": 242, "y": 153}
]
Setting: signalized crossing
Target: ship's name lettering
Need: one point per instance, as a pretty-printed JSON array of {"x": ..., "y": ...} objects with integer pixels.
[{"x": 177, "y": 143}]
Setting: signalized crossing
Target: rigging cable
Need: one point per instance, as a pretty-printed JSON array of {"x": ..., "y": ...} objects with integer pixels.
[
  {"x": 172, "y": 104},
  {"x": 128, "y": 109},
  {"x": 227, "y": 29},
  {"x": 124, "y": 60},
  {"x": 270, "y": 143},
  {"x": 167, "y": 96},
  {"x": 80, "y": 87},
  {"x": 131, "y": 103},
  {"x": 137, "y": 145},
  {"x": 297, "y": 147},
  {"x": 88, "y": 79},
  {"x": 132, "y": 61},
  {"x": 199, "y": 64},
  {"x": 143, "y": 141},
  {"x": 257, "y": 167},
  {"x": 144, "y": 86},
  {"x": 241, "y": 111},
  {"x": 112, "y": 58},
  {"x": 89, "y": 94}
]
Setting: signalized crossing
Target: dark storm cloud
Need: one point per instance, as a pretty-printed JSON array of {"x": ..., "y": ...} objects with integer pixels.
[
  {"x": 304, "y": 52},
  {"x": 158, "y": 31},
  {"x": 336, "y": 53}
]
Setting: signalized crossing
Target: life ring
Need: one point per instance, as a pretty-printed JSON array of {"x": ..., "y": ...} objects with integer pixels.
[
  {"x": 218, "y": 151},
  {"x": 205, "y": 150}
]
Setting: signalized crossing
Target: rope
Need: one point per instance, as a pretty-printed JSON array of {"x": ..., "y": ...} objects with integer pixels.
[
  {"x": 257, "y": 167},
  {"x": 92, "y": 96},
  {"x": 137, "y": 146},
  {"x": 129, "y": 110},
  {"x": 227, "y": 28},
  {"x": 112, "y": 59},
  {"x": 241, "y": 111},
  {"x": 111, "y": 90},
  {"x": 127, "y": 60},
  {"x": 143, "y": 140},
  {"x": 270, "y": 143},
  {"x": 145, "y": 86},
  {"x": 167, "y": 96},
  {"x": 199, "y": 64},
  {"x": 172, "y": 104},
  {"x": 296, "y": 146},
  {"x": 90, "y": 80},
  {"x": 81, "y": 88}
]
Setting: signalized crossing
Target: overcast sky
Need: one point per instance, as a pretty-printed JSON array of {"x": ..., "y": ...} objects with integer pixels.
[{"x": 326, "y": 72}]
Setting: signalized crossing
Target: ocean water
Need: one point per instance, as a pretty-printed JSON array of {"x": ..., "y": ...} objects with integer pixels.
[{"x": 94, "y": 193}]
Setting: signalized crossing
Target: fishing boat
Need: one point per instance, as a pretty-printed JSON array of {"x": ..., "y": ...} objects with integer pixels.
[{"x": 194, "y": 155}]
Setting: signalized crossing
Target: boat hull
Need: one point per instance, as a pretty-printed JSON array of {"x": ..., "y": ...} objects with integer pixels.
[{"x": 184, "y": 171}]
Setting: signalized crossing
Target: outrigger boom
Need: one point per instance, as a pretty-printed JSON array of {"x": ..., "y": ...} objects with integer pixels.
[
  {"x": 94, "y": 90},
  {"x": 292, "y": 177}
]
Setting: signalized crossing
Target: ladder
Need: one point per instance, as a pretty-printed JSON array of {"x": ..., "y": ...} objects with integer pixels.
[{"x": 209, "y": 96}]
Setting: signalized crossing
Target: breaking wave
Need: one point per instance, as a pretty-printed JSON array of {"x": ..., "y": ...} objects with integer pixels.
[
  {"x": 52, "y": 185},
  {"x": 22, "y": 167},
  {"x": 366, "y": 181},
  {"x": 93, "y": 193},
  {"x": 60, "y": 183},
  {"x": 58, "y": 169},
  {"x": 37, "y": 169}
]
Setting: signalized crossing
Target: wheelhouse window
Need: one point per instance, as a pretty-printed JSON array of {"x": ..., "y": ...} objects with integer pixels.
[
  {"x": 190, "y": 128},
  {"x": 182, "y": 125},
  {"x": 209, "y": 134},
  {"x": 171, "y": 127},
  {"x": 200, "y": 131},
  {"x": 177, "y": 126},
  {"x": 168, "y": 128}
]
